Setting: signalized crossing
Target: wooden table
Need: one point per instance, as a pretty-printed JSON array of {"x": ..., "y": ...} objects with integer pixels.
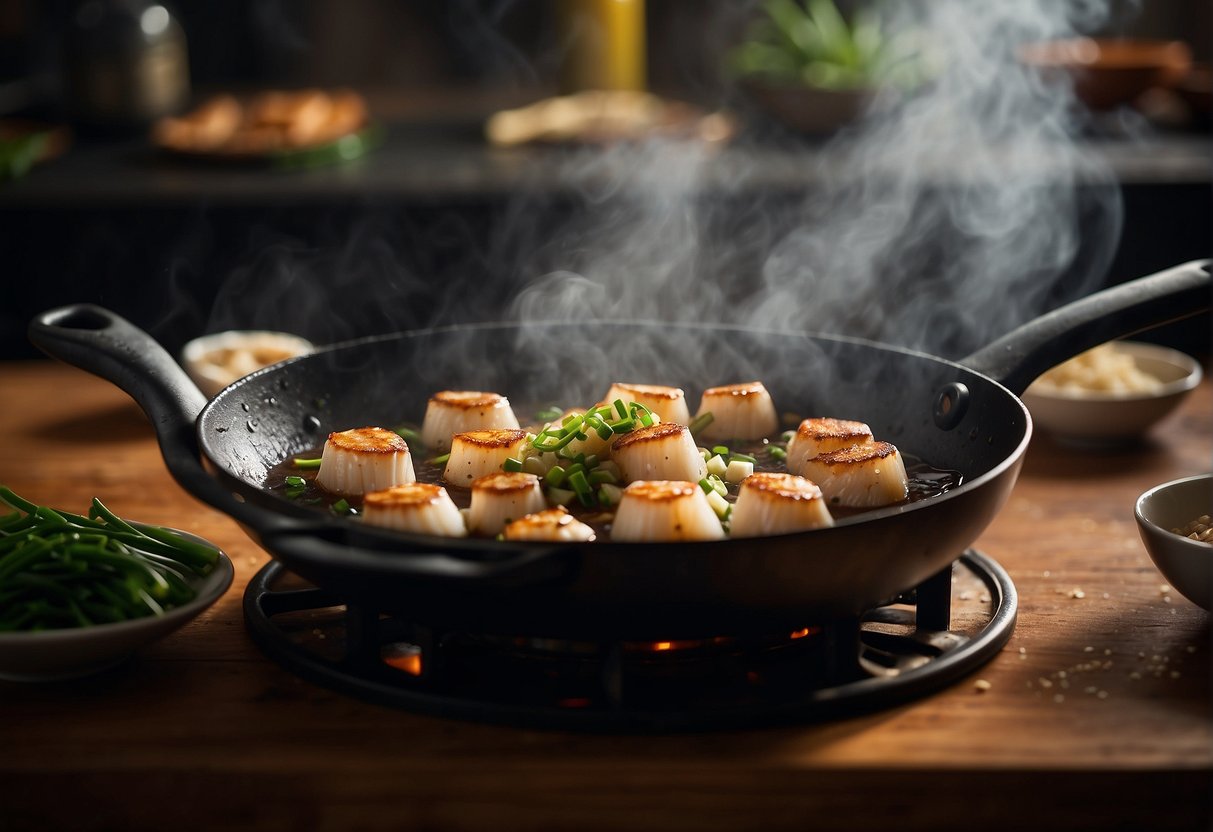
[{"x": 1096, "y": 716}]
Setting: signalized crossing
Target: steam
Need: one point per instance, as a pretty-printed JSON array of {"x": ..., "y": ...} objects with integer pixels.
[{"x": 940, "y": 221}]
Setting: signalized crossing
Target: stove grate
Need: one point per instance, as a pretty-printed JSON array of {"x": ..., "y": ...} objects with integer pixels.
[{"x": 923, "y": 641}]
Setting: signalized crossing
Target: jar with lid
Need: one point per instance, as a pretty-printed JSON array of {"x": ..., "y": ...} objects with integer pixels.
[{"x": 127, "y": 64}]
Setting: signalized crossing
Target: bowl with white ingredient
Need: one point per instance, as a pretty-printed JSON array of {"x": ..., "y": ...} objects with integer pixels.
[
  {"x": 1112, "y": 394},
  {"x": 1176, "y": 527},
  {"x": 215, "y": 361}
]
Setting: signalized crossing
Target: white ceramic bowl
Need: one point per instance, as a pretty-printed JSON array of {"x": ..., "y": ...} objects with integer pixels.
[
  {"x": 1186, "y": 564},
  {"x": 215, "y": 361},
  {"x": 1101, "y": 418},
  {"x": 50, "y": 655}
]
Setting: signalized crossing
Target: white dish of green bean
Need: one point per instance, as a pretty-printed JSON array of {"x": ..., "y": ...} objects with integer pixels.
[{"x": 79, "y": 594}]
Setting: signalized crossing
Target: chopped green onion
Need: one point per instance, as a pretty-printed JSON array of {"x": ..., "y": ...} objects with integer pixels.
[
  {"x": 787, "y": 435},
  {"x": 600, "y": 476},
  {"x": 560, "y": 496},
  {"x": 549, "y": 414},
  {"x": 778, "y": 454},
  {"x": 296, "y": 482},
  {"x": 439, "y": 460},
  {"x": 408, "y": 433},
  {"x": 700, "y": 422},
  {"x": 307, "y": 463},
  {"x": 736, "y": 457},
  {"x": 721, "y": 450},
  {"x": 555, "y": 477},
  {"x": 621, "y": 408},
  {"x": 623, "y": 426},
  {"x": 341, "y": 507},
  {"x": 512, "y": 465}
]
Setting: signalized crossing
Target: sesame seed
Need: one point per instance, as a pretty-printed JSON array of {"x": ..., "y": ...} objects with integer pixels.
[{"x": 982, "y": 685}]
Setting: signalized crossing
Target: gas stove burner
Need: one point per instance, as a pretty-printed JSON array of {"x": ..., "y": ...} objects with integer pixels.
[{"x": 921, "y": 642}]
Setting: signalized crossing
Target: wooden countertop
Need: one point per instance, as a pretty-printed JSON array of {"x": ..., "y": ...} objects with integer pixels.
[{"x": 1097, "y": 713}]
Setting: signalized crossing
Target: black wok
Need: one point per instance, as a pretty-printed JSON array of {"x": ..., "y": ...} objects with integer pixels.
[{"x": 963, "y": 416}]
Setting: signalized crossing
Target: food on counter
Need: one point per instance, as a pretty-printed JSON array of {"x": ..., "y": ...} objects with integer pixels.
[
  {"x": 501, "y": 497},
  {"x": 589, "y": 460},
  {"x": 418, "y": 507},
  {"x": 603, "y": 116},
  {"x": 665, "y": 510},
  {"x": 1199, "y": 529},
  {"x": 553, "y": 525},
  {"x": 811, "y": 43},
  {"x": 449, "y": 412},
  {"x": 476, "y": 453},
  {"x": 861, "y": 476},
  {"x": 738, "y": 411},
  {"x": 771, "y": 503},
  {"x": 60, "y": 570},
  {"x": 362, "y": 460},
  {"x": 1102, "y": 370},
  {"x": 271, "y": 121}
]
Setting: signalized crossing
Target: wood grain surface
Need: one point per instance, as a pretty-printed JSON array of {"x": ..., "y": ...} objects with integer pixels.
[{"x": 1096, "y": 714}]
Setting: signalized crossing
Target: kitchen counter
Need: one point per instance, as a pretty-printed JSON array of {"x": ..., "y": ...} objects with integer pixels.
[{"x": 1095, "y": 715}]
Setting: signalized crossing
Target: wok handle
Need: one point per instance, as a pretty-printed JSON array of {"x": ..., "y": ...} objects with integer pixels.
[
  {"x": 107, "y": 345},
  {"x": 1020, "y": 356}
]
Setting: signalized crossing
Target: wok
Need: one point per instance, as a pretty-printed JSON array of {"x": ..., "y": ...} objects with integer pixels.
[{"x": 964, "y": 416}]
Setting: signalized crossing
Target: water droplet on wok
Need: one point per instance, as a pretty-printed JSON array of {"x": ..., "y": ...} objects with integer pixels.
[
  {"x": 311, "y": 424},
  {"x": 244, "y": 406},
  {"x": 251, "y": 424}
]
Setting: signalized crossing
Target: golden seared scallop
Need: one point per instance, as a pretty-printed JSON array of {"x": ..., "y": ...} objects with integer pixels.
[
  {"x": 664, "y": 451},
  {"x": 364, "y": 459},
  {"x": 501, "y": 497},
  {"x": 663, "y": 510},
  {"x": 861, "y": 476},
  {"x": 418, "y": 507},
  {"x": 457, "y": 411},
  {"x": 771, "y": 503},
  {"x": 554, "y": 525},
  {"x": 821, "y": 435},
  {"x": 475, "y": 453},
  {"x": 669, "y": 403},
  {"x": 739, "y": 411}
]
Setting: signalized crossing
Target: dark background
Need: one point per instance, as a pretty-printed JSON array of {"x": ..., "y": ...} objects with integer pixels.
[{"x": 170, "y": 245}]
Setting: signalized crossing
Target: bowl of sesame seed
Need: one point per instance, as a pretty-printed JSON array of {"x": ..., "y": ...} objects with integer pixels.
[{"x": 1175, "y": 525}]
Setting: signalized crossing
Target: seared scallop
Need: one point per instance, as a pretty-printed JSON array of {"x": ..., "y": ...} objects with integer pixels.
[
  {"x": 739, "y": 411},
  {"x": 817, "y": 436},
  {"x": 552, "y": 524},
  {"x": 418, "y": 507},
  {"x": 669, "y": 403},
  {"x": 770, "y": 503},
  {"x": 364, "y": 459},
  {"x": 501, "y": 497},
  {"x": 664, "y": 510},
  {"x": 665, "y": 451},
  {"x": 457, "y": 411},
  {"x": 861, "y": 476},
  {"x": 479, "y": 452}
]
